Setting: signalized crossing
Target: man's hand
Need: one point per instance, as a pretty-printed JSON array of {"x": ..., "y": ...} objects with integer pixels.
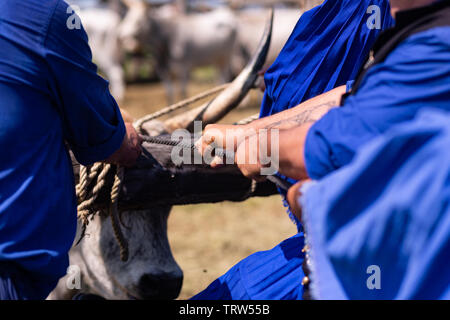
[
  {"x": 293, "y": 196},
  {"x": 221, "y": 136},
  {"x": 248, "y": 159},
  {"x": 129, "y": 151}
]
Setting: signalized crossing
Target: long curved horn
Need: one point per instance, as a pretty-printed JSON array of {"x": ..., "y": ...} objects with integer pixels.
[{"x": 230, "y": 98}]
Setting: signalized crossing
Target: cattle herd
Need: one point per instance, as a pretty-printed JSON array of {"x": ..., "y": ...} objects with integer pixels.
[
  {"x": 223, "y": 36},
  {"x": 220, "y": 34}
]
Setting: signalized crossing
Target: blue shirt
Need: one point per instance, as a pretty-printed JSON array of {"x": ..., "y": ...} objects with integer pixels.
[
  {"x": 325, "y": 50},
  {"x": 50, "y": 93},
  {"x": 383, "y": 221},
  {"x": 415, "y": 75}
]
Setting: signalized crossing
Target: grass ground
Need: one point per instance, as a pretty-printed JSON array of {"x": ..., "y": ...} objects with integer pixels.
[{"x": 209, "y": 239}]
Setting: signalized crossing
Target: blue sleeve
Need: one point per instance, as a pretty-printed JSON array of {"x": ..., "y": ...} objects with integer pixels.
[
  {"x": 333, "y": 140},
  {"x": 92, "y": 121},
  {"x": 415, "y": 75},
  {"x": 387, "y": 208}
]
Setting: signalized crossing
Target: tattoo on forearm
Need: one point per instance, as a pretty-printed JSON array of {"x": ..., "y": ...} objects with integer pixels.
[{"x": 310, "y": 114}]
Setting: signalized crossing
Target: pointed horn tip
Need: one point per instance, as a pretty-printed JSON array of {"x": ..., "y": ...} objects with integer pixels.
[
  {"x": 271, "y": 20},
  {"x": 272, "y": 11}
]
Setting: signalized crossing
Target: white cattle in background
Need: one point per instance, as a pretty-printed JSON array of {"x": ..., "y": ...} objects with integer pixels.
[
  {"x": 180, "y": 42},
  {"x": 250, "y": 28}
]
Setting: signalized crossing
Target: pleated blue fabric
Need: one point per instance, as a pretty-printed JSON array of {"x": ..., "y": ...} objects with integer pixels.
[
  {"x": 267, "y": 275},
  {"x": 325, "y": 50}
]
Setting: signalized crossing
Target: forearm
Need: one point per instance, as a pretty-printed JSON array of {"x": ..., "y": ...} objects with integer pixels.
[
  {"x": 293, "y": 126},
  {"x": 309, "y": 111},
  {"x": 292, "y": 150}
]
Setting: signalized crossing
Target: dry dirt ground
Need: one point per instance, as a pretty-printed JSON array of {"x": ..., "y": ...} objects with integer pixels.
[{"x": 209, "y": 239}]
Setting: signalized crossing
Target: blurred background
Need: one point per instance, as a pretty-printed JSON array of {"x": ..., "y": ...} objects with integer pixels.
[{"x": 155, "y": 53}]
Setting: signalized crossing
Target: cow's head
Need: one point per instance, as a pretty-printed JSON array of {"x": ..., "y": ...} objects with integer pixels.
[
  {"x": 135, "y": 25},
  {"x": 151, "y": 271}
]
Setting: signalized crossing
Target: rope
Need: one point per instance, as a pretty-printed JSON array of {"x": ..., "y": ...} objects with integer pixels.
[
  {"x": 247, "y": 120},
  {"x": 88, "y": 193},
  {"x": 182, "y": 104},
  {"x": 251, "y": 190},
  {"x": 114, "y": 215},
  {"x": 218, "y": 152},
  {"x": 88, "y": 196}
]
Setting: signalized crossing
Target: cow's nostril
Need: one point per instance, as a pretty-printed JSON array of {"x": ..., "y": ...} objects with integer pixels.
[{"x": 160, "y": 286}]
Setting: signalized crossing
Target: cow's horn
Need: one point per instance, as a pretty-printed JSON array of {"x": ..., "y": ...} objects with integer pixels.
[{"x": 230, "y": 98}]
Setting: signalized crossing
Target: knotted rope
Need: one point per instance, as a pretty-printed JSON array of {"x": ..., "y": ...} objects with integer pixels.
[
  {"x": 114, "y": 214},
  {"x": 88, "y": 193}
]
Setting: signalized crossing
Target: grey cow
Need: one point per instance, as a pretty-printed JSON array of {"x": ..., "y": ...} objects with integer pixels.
[
  {"x": 151, "y": 271},
  {"x": 180, "y": 42}
]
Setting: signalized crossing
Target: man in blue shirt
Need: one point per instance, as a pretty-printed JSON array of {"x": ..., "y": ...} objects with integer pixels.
[
  {"x": 50, "y": 94},
  {"x": 379, "y": 228},
  {"x": 396, "y": 190},
  {"x": 324, "y": 52},
  {"x": 414, "y": 75}
]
